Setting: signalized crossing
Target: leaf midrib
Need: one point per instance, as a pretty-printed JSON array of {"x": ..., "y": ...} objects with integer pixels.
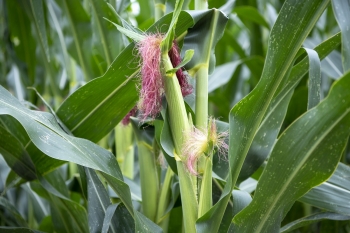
[
  {"x": 99, "y": 198},
  {"x": 337, "y": 187},
  {"x": 81, "y": 227},
  {"x": 102, "y": 34},
  {"x": 76, "y": 40},
  {"x": 295, "y": 171},
  {"x": 61, "y": 135},
  {"x": 105, "y": 99}
]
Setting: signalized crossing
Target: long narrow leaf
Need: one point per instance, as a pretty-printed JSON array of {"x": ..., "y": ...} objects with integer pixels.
[
  {"x": 68, "y": 215},
  {"x": 80, "y": 30},
  {"x": 203, "y": 41},
  {"x": 12, "y": 209},
  {"x": 314, "y": 79},
  {"x": 341, "y": 10},
  {"x": 48, "y": 136},
  {"x": 16, "y": 156},
  {"x": 312, "y": 219},
  {"x": 297, "y": 164},
  {"x": 39, "y": 19},
  {"x": 291, "y": 28},
  {"x": 98, "y": 202},
  {"x": 334, "y": 194},
  {"x": 18, "y": 230}
]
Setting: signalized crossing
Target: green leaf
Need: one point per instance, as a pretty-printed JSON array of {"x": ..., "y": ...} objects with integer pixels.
[
  {"x": 106, "y": 39},
  {"x": 46, "y": 224},
  {"x": 240, "y": 201},
  {"x": 125, "y": 24},
  {"x": 202, "y": 40},
  {"x": 39, "y": 208},
  {"x": 297, "y": 164},
  {"x": 61, "y": 41},
  {"x": 187, "y": 58},
  {"x": 166, "y": 140},
  {"x": 149, "y": 177},
  {"x": 145, "y": 225},
  {"x": 294, "y": 23},
  {"x": 162, "y": 135},
  {"x": 18, "y": 230},
  {"x": 96, "y": 108},
  {"x": 265, "y": 137},
  {"x": 83, "y": 181},
  {"x": 43, "y": 164},
  {"x": 331, "y": 65},
  {"x": 129, "y": 33},
  {"x": 252, "y": 14},
  {"x": 124, "y": 224},
  {"x": 21, "y": 37},
  {"x": 48, "y": 136},
  {"x": 68, "y": 216},
  {"x": 222, "y": 75},
  {"x": 39, "y": 19},
  {"x": 270, "y": 126},
  {"x": 169, "y": 193},
  {"x": 341, "y": 11},
  {"x": 146, "y": 11},
  {"x": 16, "y": 156},
  {"x": 98, "y": 202},
  {"x": 170, "y": 35},
  {"x": 123, "y": 5},
  {"x": 12, "y": 209},
  {"x": 61, "y": 124},
  {"x": 79, "y": 36},
  {"x": 227, "y": 7},
  {"x": 299, "y": 70},
  {"x": 108, "y": 217},
  {"x": 312, "y": 219},
  {"x": 334, "y": 194},
  {"x": 314, "y": 94}
]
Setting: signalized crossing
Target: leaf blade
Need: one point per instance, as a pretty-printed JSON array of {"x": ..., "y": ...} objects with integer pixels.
[{"x": 292, "y": 154}]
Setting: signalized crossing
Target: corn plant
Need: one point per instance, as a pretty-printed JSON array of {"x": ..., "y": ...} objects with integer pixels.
[{"x": 174, "y": 116}]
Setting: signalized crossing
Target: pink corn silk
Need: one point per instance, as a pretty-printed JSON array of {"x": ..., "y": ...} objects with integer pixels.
[
  {"x": 175, "y": 59},
  {"x": 152, "y": 88},
  {"x": 190, "y": 164},
  {"x": 152, "y": 83},
  {"x": 126, "y": 119},
  {"x": 196, "y": 140},
  {"x": 193, "y": 148}
]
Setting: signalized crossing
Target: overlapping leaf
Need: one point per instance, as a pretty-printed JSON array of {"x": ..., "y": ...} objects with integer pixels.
[
  {"x": 333, "y": 195},
  {"x": 311, "y": 219},
  {"x": 297, "y": 164},
  {"x": 291, "y": 28},
  {"x": 48, "y": 136},
  {"x": 96, "y": 108}
]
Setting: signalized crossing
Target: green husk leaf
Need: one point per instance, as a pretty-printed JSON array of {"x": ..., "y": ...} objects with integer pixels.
[
  {"x": 129, "y": 33},
  {"x": 187, "y": 58}
]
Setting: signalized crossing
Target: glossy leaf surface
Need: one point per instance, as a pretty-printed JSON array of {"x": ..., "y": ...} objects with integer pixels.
[
  {"x": 317, "y": 150},
  {"x": 246, "y": 116}
]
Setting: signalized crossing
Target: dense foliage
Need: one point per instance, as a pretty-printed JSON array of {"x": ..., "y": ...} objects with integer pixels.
[{"x": 174, "y": 116}]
